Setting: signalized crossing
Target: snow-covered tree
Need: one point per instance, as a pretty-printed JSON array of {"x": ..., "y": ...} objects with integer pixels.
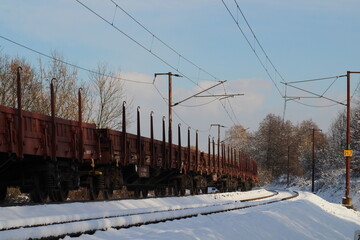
[{"x": 238, "y": 137}]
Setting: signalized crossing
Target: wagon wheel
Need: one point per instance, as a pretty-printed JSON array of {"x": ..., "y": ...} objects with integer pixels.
[
  {"x": 39, "y": 193},
  {"x": 171, "y": 191},
  {"x": 144, "y": 193},
  {"x": 109, "y": 189},
  {"x": 53, "y": 196},
  {"x": 176, "y": 191},
  {"x": 108, "y": 193},
  {"x": 93, "y": 192},
  {"x": 182, "y": 188},
  {"x": 192, "y": 189},
  {"x": 160, "y": 191},
  {"x": 59, "y": 194},
  {"x": 3, "y": 191},
  {"x": 182, "y": 191},
  {"x": 157, "y": 192},
  {"x": 62, "y": 193},
  {"x": 137, "y": 193}
]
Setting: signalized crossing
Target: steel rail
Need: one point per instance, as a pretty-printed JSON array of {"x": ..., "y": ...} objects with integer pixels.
[
  {"x": 206, "y": 210},
  {"x": 133, "y": 214}
]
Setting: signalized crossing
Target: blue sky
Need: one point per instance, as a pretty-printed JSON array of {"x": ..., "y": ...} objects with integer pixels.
[{"x": 304, "y": 39}]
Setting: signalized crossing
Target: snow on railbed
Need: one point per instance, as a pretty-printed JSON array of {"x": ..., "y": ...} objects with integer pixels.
[
  {"x": 307, "y": 217},
  {"x": 36, "y": 215}
]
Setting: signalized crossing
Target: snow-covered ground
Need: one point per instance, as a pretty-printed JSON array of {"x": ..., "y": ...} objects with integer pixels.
[
  {"x": 305, "y": 217},
  {"x": 330, "y": 187}
]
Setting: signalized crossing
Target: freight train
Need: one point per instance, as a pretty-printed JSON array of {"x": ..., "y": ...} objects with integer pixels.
[{"x": 47, "y": 157}]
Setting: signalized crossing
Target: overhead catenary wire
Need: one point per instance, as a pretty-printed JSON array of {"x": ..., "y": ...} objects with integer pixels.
[
  {"x": 154, "y": 36},
  {"x": 199, "y": 105},
  {"x": 137, "y": 42},
  {"x": 331, "y": 105},
  {"x": 146, "y": 48},
  {"x": 71, "y": 64},
  {"x": 253, "y": 49},
  {"x": 315, "y": 106},
  {"x": 238, "y": 123},
  {"x": 327, "y": 89},
  {"x": 317, "y": 79},
  {"x": 297, "y": 99},
  {"x": 315, "y": 94},
  {"x": 257, "y": 40},
  {"x": 95, "y": 72},
  {"x": 176, "y": 114}
]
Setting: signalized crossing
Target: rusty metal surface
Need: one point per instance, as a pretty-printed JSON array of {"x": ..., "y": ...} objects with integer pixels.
[{"x": 29, "y": 135}]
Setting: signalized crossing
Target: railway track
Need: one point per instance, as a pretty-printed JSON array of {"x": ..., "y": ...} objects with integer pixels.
[{"x": 55, "y": 229}]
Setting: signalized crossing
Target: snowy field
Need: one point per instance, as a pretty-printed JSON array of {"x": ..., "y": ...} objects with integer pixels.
[{"x": 305, "y": 217}]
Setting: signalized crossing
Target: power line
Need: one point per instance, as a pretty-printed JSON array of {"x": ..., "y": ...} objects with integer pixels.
[
  {"x": 71, "y": 64},
  {"x": 94, "y": 72},
  {"x": 137, "y": 42},
  {"x": 331, "y": 105},
  {"x": 227, "y": 112},
  {"x": 315, "y": 94},
  {"x": 254, "y": 51},
  {"x": 317, "y": 79},
  {"x": 329, "y": 86},
  {"x": 231, "y": 106},
  {"x": 164, "y": 43},
  {"x": 316, "y": 106},
  {"x": 199, "y": 105},
  {"x": 257, "y": 40},
  {"x": 178, "y": 116},
  {"x": 149, "y": 49}
]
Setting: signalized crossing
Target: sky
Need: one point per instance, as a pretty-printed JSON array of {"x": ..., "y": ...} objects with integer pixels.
[{"x": 302, "y": 40}]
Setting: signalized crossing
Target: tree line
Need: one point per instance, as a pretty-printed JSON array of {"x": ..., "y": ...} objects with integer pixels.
[
  {"x": 102, "y": 92},
  {"x": 279, "y": 145}
]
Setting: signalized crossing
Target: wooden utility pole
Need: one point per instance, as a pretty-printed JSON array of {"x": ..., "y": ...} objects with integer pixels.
[
  {"x": 313, "y": 160},
  {"x": 170, "y": 74},
  {"x": 218, "y": 147},
  {"x": 347, "y": 201},
  {"x": 288, "y": 166}
]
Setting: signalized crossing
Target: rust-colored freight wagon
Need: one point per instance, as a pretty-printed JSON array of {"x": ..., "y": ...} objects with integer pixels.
[{"x": 48, "y": 156}]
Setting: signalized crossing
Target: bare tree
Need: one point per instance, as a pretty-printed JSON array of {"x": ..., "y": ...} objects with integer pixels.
[
  {"x": 33, "y": 98},
  {"x": 273, "y": 143},
  {"x": 65, "y": 86},
  {"x": 108, "y": 95},
  {"x": 238, "y": 137}
]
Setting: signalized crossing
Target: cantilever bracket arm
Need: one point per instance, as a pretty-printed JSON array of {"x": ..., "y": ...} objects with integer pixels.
[{"x": 220, "y": 82}]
